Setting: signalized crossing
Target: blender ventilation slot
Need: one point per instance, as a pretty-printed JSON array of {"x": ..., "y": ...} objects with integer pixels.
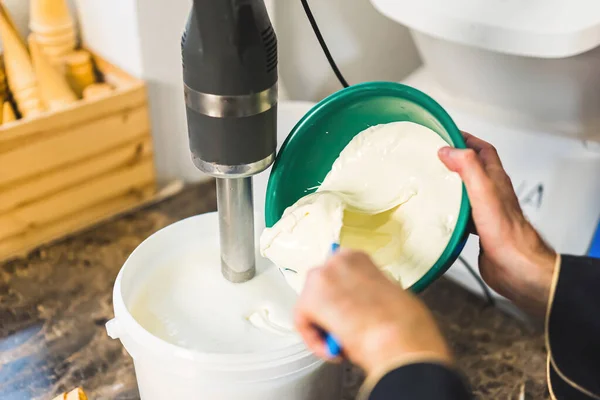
[{"x": 270, "y": 42}]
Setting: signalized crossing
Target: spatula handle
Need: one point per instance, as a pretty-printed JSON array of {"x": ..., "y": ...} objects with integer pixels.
[{"x": 333, "y": 346}]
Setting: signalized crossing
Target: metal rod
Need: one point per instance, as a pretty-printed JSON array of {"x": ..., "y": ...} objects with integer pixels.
[{"x": 236, "y": 226}]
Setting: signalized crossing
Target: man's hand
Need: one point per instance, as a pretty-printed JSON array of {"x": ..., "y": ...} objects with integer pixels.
[
  {"x": 376, "y": 322},
  {"x": 514, "y": 260}
]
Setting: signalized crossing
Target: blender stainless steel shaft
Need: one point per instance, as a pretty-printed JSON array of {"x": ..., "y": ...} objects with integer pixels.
[{"x": 229, "y": 54}]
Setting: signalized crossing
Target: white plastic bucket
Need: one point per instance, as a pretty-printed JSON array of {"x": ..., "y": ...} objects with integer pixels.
[{"x": 166, "y": 371}]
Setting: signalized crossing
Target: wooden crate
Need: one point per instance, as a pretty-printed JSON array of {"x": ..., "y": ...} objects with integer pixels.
[{"x": 63, "y": 171}]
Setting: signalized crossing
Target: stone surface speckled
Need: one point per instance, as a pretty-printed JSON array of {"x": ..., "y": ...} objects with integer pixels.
[{"x": 54, "y": 304}]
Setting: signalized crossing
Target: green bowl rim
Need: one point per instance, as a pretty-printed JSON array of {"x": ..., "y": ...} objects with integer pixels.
[{"x": 458, "y": 238}]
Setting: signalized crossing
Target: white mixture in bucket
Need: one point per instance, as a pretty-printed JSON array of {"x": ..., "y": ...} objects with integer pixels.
[
  {"x": 187, "y": 302},
  {"x": 393, "y": 167}
]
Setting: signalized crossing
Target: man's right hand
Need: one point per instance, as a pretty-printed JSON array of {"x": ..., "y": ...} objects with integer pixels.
[
  {"x": 513, "y": 260},
  {"x": 377, "y": 323}
]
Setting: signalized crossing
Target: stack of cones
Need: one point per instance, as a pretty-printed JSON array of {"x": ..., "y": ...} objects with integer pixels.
[
  {"x": 54, "y": 28},
  {"x": 75, "y": 394},
  {"x": 19, "y": 70},
  {"x": 51, "y": 74},
  {"x": 54, "y": 88},
  {"x": 80, "y": 70},
  {"x": 96, "y": 91}
]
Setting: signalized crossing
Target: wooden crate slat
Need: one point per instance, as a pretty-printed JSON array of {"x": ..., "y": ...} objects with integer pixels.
[
  {"x": 24, "y": 192},
  {"x": 115, "y": 75},
  {"x": 77, "y": 198},
  {"x": 10, "y": 227},
  {"x": 20, "y": 245},
  {"x": 81, "y": 112},
  {"x": 72, "y": 145}
]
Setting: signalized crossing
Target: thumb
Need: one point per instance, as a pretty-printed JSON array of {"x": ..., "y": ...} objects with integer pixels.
[{"x": 466, "y": 163}]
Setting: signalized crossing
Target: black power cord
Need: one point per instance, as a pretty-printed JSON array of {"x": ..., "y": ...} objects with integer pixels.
[
  {"x": 486, "y": 290},
  {"x": 317, "y": 31},
  {"x": 344, "y": 83}
]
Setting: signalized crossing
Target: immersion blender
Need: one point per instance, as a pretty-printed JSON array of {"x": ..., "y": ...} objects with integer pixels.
[
  {"x": 230, "y": 76},
  {"x": 229, "y": 52}
]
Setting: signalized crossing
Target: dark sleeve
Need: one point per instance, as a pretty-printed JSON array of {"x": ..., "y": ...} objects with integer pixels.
[
  {"x": 421, "y": 381},
  {"x": 573, "y": 330}
]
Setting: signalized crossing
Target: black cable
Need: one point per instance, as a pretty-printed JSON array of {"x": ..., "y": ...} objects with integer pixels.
[
  {"x": 317, "y": 31},
  {"x": 484, "y": 287}
]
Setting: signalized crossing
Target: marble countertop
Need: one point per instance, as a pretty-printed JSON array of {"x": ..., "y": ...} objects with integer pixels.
[{"x": 54, "y": 304}]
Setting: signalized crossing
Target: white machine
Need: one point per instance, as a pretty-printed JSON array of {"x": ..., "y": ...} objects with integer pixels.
[{"x": 524, "y": 76}]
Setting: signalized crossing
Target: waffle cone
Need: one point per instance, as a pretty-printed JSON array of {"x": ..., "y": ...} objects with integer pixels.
[
  {"x": 50, "y": 15},
  {"x": 18, "y": 67},
  {"x": 54, "y": 89},
  {"x": 8, "y": 113},
  {"x": 97, "y": 90}
]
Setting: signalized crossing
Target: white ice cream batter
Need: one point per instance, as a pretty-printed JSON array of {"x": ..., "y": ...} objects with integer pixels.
[
  {"x": 187, "y": 302},
  {"x": 392, "y": 168}
]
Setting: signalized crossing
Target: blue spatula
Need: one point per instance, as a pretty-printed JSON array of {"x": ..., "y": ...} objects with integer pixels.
[{"x": 333, "y": 346}]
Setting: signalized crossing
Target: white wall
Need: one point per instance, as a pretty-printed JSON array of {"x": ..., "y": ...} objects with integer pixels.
[
  {"x": 111, "y": 29},
  {"x": 366, "y": 46},
  {"x": 161, "y": 24}
]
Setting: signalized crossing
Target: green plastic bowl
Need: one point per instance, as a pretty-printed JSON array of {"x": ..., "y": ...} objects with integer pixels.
[{"x": 316, "y": 141}]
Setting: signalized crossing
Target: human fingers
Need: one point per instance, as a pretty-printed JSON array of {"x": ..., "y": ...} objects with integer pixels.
[
  {"x": 486, "y": 151},
  {"x": 480, "y": 186},
  {"x": 310, "y": 333}
]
